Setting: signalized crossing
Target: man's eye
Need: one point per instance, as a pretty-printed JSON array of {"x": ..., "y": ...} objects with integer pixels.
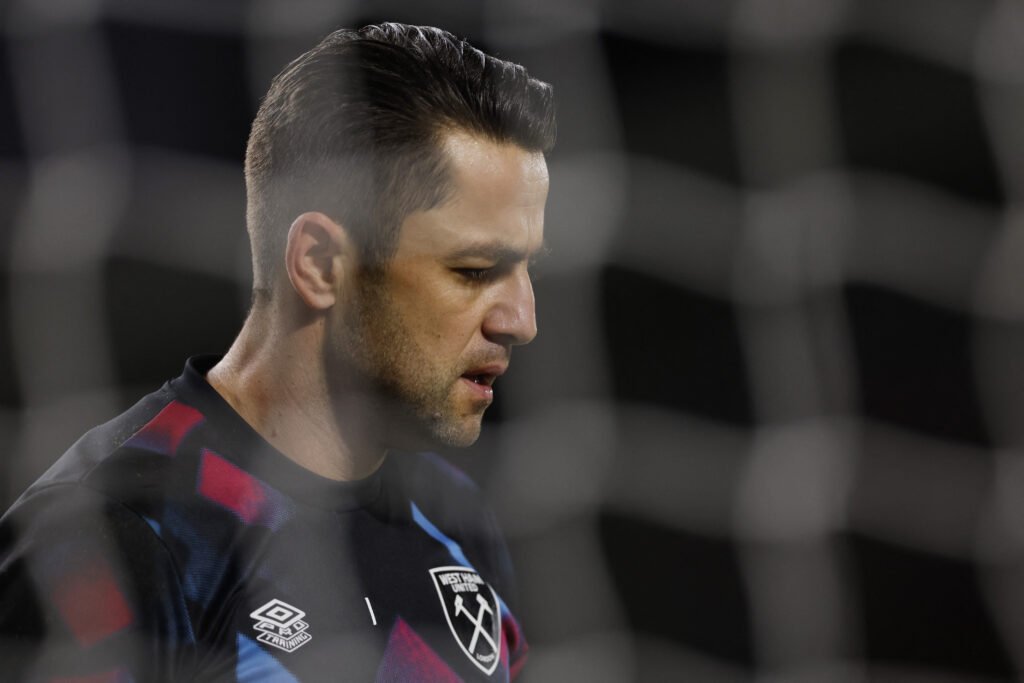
[{"x": 474, "y": 274}]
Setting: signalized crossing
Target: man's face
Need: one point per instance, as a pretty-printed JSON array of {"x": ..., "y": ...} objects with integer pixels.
[{"x": 435, "y": 330}]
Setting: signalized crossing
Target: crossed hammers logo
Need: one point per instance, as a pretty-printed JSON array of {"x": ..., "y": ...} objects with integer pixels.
[{"x": 478, "y": 622}]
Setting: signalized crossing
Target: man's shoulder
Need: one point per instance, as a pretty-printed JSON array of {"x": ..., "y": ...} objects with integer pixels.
[
  {"x": 84, "y": 565},
  {"x": 136, "y": 467},
  {"x": 96, "y": 451},
  {"x": 144, "y": 491}
]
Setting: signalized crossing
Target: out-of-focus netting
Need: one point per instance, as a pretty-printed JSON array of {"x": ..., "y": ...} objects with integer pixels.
[{"x": 771, "y": 428}]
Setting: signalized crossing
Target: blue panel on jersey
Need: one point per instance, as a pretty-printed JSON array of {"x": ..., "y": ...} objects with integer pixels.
[
  {"x": 454, "y": 549},
  {"x": 256, "y": 666},
  {"x": 154, "y": 524}
]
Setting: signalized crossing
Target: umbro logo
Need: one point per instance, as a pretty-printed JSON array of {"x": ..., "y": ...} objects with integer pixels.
[{"x": 281, "y": 626}]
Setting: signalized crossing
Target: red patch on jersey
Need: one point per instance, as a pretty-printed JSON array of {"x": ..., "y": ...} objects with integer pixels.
[
  {"x": 513, "y": 645},
  {"x": 165, "y": 432},
  {"x": 92, "y": 604},
  {"x": 233, "y": 488},
  {"x": 408, "y": 658}
]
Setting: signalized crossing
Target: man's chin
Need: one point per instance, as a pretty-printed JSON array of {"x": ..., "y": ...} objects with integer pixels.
[
  {"x": 462, "y": 439},
  {"x": 436, "y": 432},
  {"x": 455, "y": 433}
]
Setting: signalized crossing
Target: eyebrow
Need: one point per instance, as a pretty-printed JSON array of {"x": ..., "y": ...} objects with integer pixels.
[{"x": 499, "y": 252}]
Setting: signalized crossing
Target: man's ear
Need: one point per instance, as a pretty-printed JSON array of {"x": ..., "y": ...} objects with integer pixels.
[{"x": 316, "y": 257}]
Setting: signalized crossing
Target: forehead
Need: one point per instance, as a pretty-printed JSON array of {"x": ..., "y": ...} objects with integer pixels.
[
  {"x": 503, "y": 172},
  {"x": 498, "y": 193}
]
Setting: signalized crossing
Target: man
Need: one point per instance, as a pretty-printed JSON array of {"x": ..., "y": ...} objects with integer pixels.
[{"x": 262, "y": 517}]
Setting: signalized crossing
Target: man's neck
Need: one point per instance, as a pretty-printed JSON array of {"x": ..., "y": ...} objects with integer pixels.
[{"x": 276, "y": 383}]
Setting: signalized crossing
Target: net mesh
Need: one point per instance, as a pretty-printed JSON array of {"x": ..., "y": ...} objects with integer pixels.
[{"x": 770, "y": 428}]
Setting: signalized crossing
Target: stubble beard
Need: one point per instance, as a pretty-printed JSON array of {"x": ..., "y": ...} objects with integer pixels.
[{"x": 409, "y": 396}]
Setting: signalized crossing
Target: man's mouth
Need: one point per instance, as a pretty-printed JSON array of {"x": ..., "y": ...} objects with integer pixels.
[
  {"x": 482, "y": 379},
  {"x": 485, "y": 374}
]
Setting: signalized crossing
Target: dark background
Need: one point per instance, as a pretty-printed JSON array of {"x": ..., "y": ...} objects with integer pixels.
[{"x": 768, "y": 429}]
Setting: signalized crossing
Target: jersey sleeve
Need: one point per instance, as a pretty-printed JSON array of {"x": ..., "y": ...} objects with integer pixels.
[{"x": 88, "y": 592}]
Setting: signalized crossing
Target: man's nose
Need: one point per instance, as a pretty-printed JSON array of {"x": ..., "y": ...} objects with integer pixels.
[{"x": 512, "y": 320}]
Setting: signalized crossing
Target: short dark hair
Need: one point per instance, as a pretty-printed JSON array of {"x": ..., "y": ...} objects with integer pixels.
[{"x": 354, "y": 129}]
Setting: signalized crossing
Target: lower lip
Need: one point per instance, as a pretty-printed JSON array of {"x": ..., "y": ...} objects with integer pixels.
[{"x": 481, "y": 391}]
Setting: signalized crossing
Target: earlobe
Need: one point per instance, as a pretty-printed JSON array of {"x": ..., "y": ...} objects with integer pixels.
[{"x": 314, "y": 258}]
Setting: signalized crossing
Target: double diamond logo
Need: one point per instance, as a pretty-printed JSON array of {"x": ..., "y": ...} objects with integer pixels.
[
  {"x": 471, "y": 608},
  {"x": 281, "y": 625}
]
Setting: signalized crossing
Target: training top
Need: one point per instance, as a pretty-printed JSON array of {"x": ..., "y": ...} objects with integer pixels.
[{"x": 174, "y": 543}]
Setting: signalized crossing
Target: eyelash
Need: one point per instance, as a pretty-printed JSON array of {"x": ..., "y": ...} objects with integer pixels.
[
  {"x": 485, "y": 274},
  {"x": 475, "y": 274}
]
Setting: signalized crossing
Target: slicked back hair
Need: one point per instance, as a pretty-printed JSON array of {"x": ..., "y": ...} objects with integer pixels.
[{"x": 354, "y": 128}]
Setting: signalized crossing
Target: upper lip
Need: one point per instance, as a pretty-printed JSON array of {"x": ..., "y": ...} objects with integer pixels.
[{"x": 487, "y": 373}]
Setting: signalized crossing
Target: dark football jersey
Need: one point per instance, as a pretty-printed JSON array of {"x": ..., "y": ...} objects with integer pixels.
[{"x": 175, "y": 544}]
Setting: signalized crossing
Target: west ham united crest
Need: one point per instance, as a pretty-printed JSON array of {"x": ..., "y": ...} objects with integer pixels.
[{"x": 471, "y": 608}]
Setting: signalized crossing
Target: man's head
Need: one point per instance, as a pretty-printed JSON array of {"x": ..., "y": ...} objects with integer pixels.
[
  {"x": 355, "y": 128},
  {"x": 410, "y": 169}
]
